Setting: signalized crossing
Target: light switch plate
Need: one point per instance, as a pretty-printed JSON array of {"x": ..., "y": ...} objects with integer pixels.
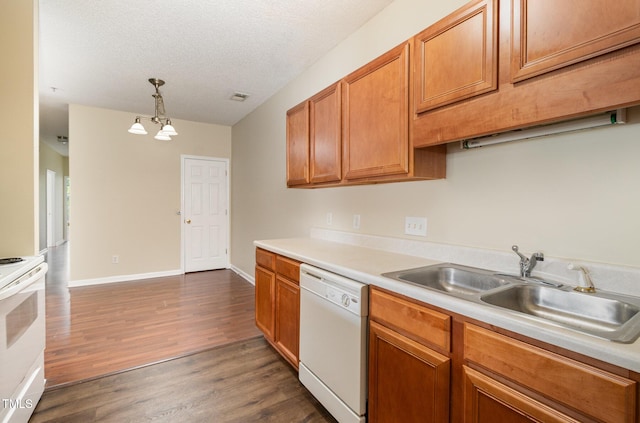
[{"x": 415, "y": 226}]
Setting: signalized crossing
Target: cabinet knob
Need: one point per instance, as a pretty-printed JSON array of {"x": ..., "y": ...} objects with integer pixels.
[{"x": 187, "y": 221}]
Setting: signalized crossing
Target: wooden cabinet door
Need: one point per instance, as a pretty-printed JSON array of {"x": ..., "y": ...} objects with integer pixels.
[
  {"x": 298, "y": 145},
  {"x": 553, "y": 376},
  {"x": 457, "y": 58},
  {"x": 375, "y": 122},
  {"x": 326, "y": 135},
  {"x": 489, "y": 401},
  {"x": 408, "y": 382},
  {"x": 265, "y": 301},
  {"x": 287, "y": 336},
  {"x": 550, "y": 34}
]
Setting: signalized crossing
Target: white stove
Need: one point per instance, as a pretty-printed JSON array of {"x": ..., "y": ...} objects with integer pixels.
[
  {"x": 13, "y": 271},
  {"x": 22, "y": 336}
]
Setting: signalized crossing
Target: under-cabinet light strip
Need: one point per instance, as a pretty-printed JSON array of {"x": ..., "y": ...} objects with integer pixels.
[{"x": 610, "y": 118}]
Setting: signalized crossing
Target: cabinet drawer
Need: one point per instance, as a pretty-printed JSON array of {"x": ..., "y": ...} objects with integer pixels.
[
  {"x": 411, "y": 319},
  {"x": 265, "y": 259},
  {"x": 593, "y": 391},
  {"x": 288, "y": 268}
]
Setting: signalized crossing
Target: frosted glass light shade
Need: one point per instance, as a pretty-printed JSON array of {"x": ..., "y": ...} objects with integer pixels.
[
  {"x": 137, "y": 128},
  {"x": 161, "y": 136},
  {"x": 168, "y": 129}
]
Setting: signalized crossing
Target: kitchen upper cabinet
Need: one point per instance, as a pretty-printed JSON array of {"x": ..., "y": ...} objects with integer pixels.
[
  {"x": 550, "y": 34},
  {"x": 277, "y": 293},
  {"x": 457, "y": 58},
  {"x": 375, "y": 121},
  {"x": 357, "y": 130},
  {"x": 556, "y": 60},
  {"x": 326, "y": 135},
  {"x": 298, "y": 145},
  {"x": 314, "y": 139}
]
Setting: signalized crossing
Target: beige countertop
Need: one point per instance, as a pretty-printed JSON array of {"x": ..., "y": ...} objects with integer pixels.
[{"x": 366, "y": 265}]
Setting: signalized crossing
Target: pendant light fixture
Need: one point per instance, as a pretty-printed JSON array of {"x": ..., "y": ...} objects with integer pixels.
[{"x": 166, "y": 129}]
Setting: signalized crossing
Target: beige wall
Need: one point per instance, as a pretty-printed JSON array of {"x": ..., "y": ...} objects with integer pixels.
[
  {"x": 19, "y": 122},
  {"x": 125, "y": 191},
  {"x": 51, "y": 160},
  {"x": 572, "y": 195}
]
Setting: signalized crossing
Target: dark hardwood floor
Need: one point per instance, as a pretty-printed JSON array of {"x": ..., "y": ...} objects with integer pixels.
[
  {"x": 246, "y": 381},
  {"x": 100, "y": 329},
  {"x": 181, "y": 348}
]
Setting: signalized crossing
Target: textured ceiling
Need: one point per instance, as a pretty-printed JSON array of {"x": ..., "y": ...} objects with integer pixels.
[{"x": 101, "y": 53}]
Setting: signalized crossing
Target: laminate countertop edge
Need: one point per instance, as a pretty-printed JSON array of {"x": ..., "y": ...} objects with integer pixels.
[{"x": 367, "y": 265}]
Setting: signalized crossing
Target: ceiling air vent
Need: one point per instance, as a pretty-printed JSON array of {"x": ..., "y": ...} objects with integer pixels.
[{"x": 239, "y": 96}]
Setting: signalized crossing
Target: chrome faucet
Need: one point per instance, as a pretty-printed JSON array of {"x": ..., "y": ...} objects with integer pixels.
[{"x": 527, "y": 264}]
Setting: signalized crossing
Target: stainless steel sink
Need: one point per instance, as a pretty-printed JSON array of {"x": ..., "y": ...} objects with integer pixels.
[
  {"x": 601, "y": 315},
  {"x": 615, "y": 317},
  {"x": 452, "y": 278}
]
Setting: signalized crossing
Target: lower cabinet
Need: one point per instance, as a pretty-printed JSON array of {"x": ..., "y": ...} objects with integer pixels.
[
  {"x": 265, "y": 304},
  {"x": 408, "y": 380},
  {"x": 424, "y": 382},
  {"x": 487, "y": 400},
  {"x": 277, "y": 302},
  {"x": 287, "y": 323},
  {"x": 515, "y": 378},
  {"x": 428, "y": 365}
]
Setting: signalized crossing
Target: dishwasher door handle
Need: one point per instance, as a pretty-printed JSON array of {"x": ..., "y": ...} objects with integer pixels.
[{"x": 311, "y": 275}]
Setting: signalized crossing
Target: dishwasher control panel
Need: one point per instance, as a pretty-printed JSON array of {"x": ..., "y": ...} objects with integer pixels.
[
  {"x": 342, "y": 298},
  {"x": 341, "y": 291}
]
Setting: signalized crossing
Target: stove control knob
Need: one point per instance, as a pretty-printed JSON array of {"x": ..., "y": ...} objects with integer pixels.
[{"x": 346, "y": 300}]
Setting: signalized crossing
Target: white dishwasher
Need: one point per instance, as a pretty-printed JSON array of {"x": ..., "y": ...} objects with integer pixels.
[{"x": 333, "y": 342}]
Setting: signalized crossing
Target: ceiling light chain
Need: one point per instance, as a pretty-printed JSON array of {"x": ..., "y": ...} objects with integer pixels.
[{"x": 166, "y": 129}]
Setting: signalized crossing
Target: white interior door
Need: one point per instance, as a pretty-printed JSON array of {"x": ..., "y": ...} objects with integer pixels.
[
  {"x": 51, "y": 207},
  {"x": 67, "y": 200},
  {"x": 205, "y": 214}
]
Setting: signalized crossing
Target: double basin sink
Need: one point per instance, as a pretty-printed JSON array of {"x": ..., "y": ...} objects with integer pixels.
[{"x": 614, "y": 317}]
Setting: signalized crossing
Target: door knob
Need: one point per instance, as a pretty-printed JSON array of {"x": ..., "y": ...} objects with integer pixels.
[{"x": 187, "y": 221}]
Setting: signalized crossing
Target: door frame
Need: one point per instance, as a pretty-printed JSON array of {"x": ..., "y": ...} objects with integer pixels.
[{"x": 183, "y": 159}]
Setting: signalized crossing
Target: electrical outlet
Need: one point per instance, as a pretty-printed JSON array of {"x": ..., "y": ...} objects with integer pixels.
[
  {"x": 356, "y": 221},
  {"x": 115, "y": 259},
  {"x": 415, "y": 226},
  {"x": 329, "y": 218}
]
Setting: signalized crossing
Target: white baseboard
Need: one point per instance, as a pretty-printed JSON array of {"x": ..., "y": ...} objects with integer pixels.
[
  {"x": 243, "y": 275},
  {"x": 124, "y": 278}
]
